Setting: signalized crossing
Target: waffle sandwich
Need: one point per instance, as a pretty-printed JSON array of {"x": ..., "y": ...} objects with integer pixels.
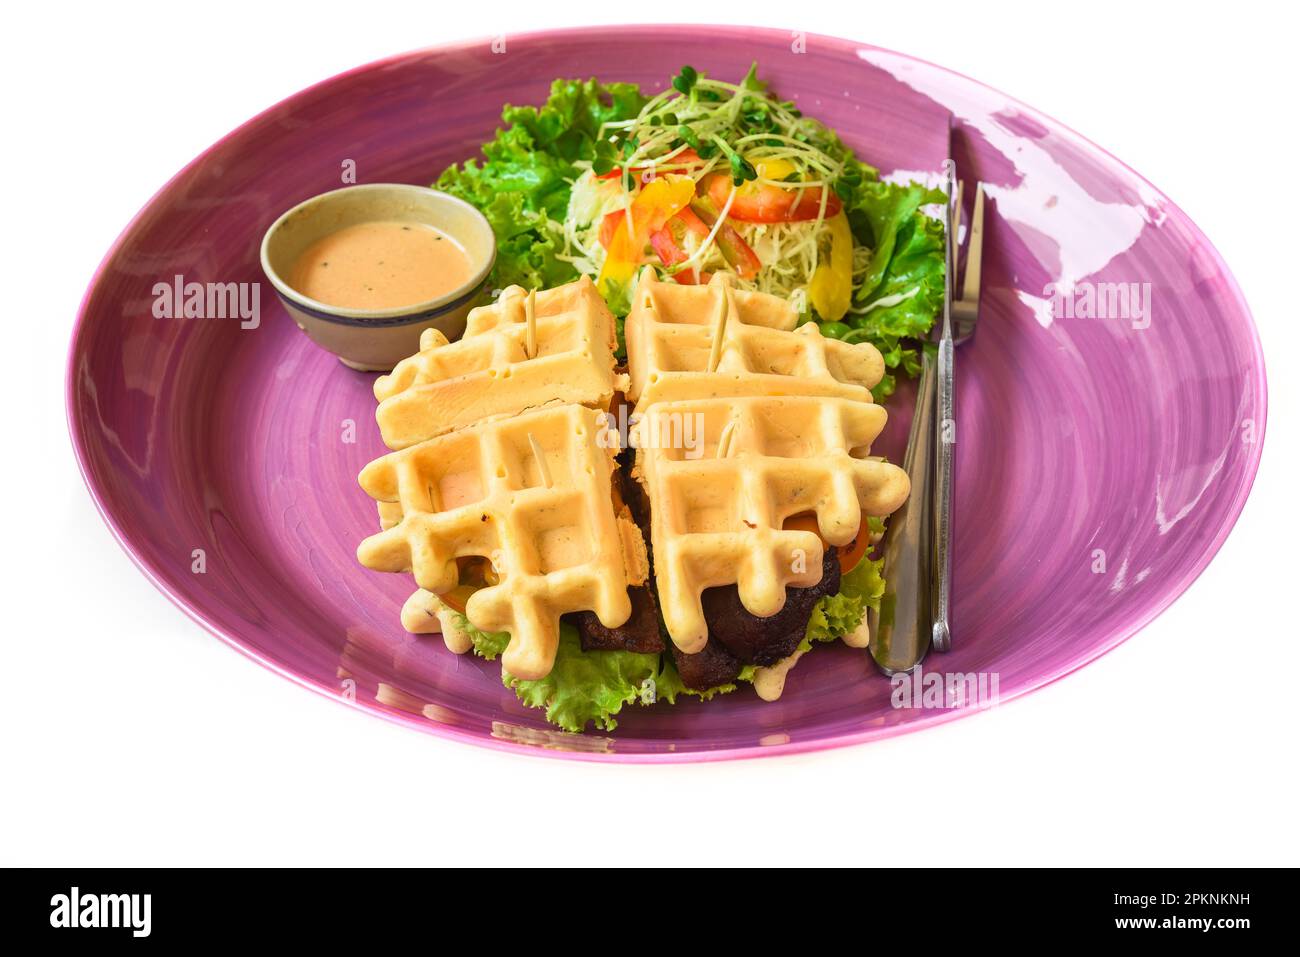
[
  {"x": 746, "y": 525},
  {"x": 507, "y": 494},
  {"x": 521, "y": 498},
  {"x": 720, "y": 519}
]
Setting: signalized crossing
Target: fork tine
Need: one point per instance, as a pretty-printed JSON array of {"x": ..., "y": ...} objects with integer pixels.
[
  {"x": 970, "y": 290},
  {"x": 954, "y": 229},
  {"x": 956, "y": 224}
]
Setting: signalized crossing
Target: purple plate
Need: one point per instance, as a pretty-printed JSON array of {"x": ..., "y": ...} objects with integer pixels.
[{"x": 1107, "y": 435}]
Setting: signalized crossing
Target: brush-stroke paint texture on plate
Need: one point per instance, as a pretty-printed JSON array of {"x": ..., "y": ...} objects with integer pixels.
[{"x": 1101, "y": 462}]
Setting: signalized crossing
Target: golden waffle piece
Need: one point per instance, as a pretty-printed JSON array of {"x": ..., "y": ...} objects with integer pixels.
[
  {"x": 424, "y": 614},
  {"x": 491, "y": 371},
  {"x": 717, "y": 513},
  {"x": 672, "y": 353},
  {"x": 532, "y": 494}
]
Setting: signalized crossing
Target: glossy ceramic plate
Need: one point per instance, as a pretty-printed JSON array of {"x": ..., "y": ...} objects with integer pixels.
[{"x": 1101, "y": 461}]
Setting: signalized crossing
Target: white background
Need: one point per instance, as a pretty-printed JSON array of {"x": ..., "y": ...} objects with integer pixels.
[{"x": 130, "y": 736}]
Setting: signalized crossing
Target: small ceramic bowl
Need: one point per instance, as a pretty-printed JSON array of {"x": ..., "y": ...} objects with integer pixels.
[{"x": 375, "y": 339}]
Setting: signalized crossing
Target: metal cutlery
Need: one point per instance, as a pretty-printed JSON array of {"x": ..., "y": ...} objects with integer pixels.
[{"x": 915, "y": 609}]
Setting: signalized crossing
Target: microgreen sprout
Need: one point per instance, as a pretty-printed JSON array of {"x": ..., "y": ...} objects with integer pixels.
[{"x": 684, "y": 82}]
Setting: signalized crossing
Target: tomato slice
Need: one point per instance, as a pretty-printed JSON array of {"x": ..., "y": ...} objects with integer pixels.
[
  {"x": 763, "y": 203},
  {"x": 848, "y": 555},
  {"x": 690, "y": 222},
  {"x": 456, "y": 598}
]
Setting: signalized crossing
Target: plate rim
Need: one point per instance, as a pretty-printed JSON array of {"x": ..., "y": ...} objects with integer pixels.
[{"x": 725, "y": 33}]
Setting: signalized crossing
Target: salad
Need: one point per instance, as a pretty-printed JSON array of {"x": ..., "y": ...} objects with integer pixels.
[{"x": 709, "y": 176}]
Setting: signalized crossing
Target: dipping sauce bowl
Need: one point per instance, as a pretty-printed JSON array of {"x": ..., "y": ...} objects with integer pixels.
[{"x": 376, "y": 339}]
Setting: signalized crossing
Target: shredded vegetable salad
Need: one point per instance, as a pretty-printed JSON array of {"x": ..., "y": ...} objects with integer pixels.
[{"x": 706, "y": 177}]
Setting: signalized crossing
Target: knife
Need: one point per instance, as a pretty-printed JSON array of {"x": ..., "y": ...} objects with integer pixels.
[{"x": 914, "y": 609}]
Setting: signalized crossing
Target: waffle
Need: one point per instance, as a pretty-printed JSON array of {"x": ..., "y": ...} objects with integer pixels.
[
  {"x": 670, "y": 343},
  {"x": 716, "y": 519},
  {"x": 532, "y": 494},
  {"x": 424, "y": 613},
  {"x": 447, "y": 386}
]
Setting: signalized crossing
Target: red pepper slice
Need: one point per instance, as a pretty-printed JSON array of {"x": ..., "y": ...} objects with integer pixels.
[
  {"x": 609, "y": 225},
  {"x": 667, "y": 246},
  {"x": 762, "y": 203},
  {"x": 655, "y": 203},
  {"x": 734, "y": 248},
  {"x": 667, "y": 243}
]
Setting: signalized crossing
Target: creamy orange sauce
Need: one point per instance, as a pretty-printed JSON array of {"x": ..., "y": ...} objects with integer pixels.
[{"x": 381, "y": 265}]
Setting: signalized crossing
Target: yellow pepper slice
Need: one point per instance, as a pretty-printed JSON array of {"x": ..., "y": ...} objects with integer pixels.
[
  {"x": 832, "y": 282},
  {"x": 775, "y": 169},
  {"x": 659, "y": 200}
]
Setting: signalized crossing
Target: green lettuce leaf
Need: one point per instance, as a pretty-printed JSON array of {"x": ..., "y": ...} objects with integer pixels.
[
  {"x": 903, "y": 287},
  {"x": 592, "y": 686},
  {"x": 836, "y": 615},
  {"x": 522, "y": 183},
  {"x": 586, "y": 686},
  {"x": 487, "y": 644},
  {"x": 865, "y": 582},
  {"x": 888, "y": 217},
  {"x": 567, "y": 124}
]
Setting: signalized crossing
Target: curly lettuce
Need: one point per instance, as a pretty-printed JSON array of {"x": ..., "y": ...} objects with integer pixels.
[
  {"x": 591, "y": 687},
  {"x": 901, "y": 292},
  {"x": 836, "y": 615},
  {"x": 583, "y": 687},
  {"x": 522, "y": 184}
]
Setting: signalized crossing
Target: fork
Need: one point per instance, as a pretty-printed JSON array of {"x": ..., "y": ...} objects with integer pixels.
[
  {"x": 914, "y": 611},
  {"x": 960, "y": 316}
]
